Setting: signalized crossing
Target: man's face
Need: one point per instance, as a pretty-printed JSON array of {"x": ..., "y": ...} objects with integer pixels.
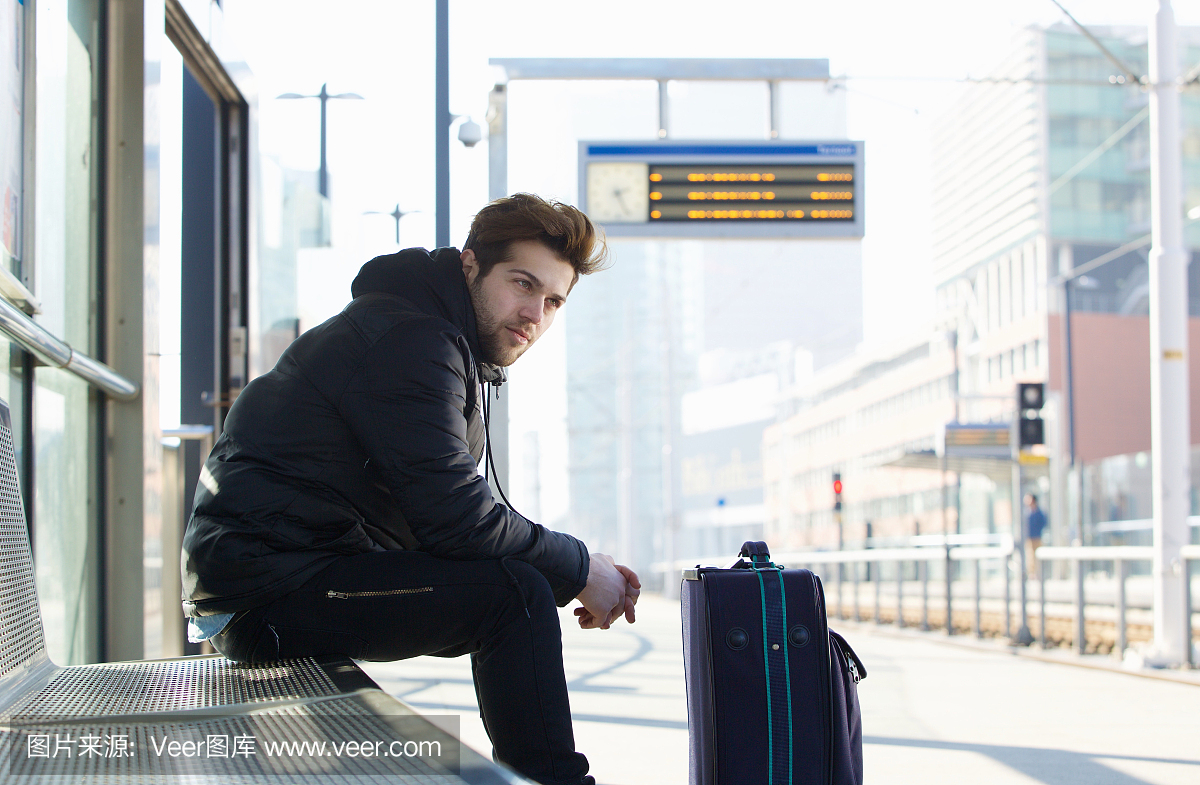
[{"x": 517, "y": 300}]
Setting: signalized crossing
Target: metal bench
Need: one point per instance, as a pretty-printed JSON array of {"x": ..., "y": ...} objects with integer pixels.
[{"x": 127, "y": 714}]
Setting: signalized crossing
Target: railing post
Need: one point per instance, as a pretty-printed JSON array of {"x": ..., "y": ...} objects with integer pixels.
[
  {"x": 1041, "y": 568},
  {"x": 1008, "y": 595},
  {"x": 949, "y": 591},
  {"x": 1188, "y": 659},
  {"x": 977, "y": 619},
  {"x": 841, "y": 569},
  {"x": 878, "y": 585},
  {"x": 899, "y": 594},
  {"x": 1119, "y": 571},
  {"x": 924, "y": 566},
  {"x": 1080, "y": 631},
  {"x": 857, "y": 614}
]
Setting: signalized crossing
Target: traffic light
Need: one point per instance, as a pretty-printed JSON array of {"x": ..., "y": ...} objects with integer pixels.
[
  {"x": 837, "y": 491},
  {"x": 1032, "y": 431},
  {"x": 1031, "y": 396}
]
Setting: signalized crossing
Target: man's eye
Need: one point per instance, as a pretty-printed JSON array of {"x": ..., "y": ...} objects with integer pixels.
[
  {"x": 524, "y": 284},
  {"x": 553, "y": 303}
]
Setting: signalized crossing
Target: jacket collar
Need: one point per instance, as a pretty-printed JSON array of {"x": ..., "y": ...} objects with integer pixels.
[{"x": 434, "y": 284}]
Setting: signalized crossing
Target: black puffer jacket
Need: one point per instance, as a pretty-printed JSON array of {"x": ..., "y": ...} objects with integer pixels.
[{"x": 365, "y": 436}]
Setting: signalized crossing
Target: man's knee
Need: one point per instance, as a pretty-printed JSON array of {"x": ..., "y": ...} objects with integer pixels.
[{"x": 532, "y": 587}]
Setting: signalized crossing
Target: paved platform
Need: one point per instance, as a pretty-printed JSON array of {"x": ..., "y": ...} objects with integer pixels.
[{"x": 933, "y": 712}]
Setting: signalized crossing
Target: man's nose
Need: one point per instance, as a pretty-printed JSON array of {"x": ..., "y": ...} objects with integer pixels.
[{"x": 533, "y": 310}]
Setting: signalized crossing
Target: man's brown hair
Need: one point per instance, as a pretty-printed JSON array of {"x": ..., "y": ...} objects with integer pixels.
[{"x": 564, "y": 229}]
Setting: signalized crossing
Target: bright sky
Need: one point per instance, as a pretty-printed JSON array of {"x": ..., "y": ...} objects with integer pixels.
[
  {"x": 903, "y": 60},
  {"x": 381, "y": 150}
]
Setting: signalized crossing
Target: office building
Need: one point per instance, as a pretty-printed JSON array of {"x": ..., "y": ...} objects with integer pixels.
[{"x": 1038, "y": 170}]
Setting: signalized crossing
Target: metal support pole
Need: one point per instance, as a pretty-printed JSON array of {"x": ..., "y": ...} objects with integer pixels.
[
  {"x": 977, "y": 616},
  {"x": 1074, "y": 470},
  {"x": 323, "y": 172},
  {"x": 1023, "y": 638},
  {"x": 899, "y": 594},
  {"x": 1188, "y": 659},
  {"x": 878, "y": 585},
  {"x": 773, "y": 87},
  {"x": 1042, "y": 601},
  {"x": 949, "y": 590},
  {"x": 946, "y": 520},
  {"x": 497, "y": 120},
  {"x": 857, "y": 614},
  {"x": 1119, "y": 571},
  {"x": 664, "y": 108},
  {"x": 1008, "y": 595},
  {"x": 442, "y": 120},
  {"x": 924, "y": 596},
  {"x": 841, "y": 602},
  {"x": 1080, "y": 627},
  {"x": 1169, "y": 415}
]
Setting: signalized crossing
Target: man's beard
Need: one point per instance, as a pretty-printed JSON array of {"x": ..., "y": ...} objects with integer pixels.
[{"x": 491, "y": 332}]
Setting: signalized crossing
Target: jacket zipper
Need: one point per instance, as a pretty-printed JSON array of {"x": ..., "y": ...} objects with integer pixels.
[{"x": 345, "y": 595}]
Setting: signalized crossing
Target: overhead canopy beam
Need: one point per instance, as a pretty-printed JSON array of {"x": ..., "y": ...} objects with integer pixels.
[{"x": 662, "y": 68}]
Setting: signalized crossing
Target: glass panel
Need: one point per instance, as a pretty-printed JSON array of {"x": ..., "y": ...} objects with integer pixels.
[
  {"x": 64, "y": 276},
  {"x": 65, "y": 537},
  {"x": 12, "y": 77}
]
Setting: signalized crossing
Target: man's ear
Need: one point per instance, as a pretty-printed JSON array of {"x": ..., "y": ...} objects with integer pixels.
[{"x": 470, "y": 266}]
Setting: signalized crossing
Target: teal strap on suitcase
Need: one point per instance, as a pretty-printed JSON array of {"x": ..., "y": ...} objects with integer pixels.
[{"x": 775, "y": 664}]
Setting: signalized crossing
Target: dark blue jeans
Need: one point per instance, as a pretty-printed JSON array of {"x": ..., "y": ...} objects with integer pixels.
[{"x": 392, "y": 605}]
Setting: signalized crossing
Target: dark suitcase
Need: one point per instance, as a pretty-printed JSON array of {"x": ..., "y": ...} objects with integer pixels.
[{"x": 772, "y": 692}]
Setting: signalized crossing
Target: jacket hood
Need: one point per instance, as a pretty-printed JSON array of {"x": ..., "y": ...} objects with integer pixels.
[{"x": 432, "y": 282}]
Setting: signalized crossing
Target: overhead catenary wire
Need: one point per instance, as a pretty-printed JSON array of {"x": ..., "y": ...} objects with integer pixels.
[
  {"x": 1112, "y": 58},
  {"x": 1104, "y": 147}
]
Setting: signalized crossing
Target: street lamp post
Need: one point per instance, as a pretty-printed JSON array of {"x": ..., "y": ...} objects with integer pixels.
[
  {"x": 323, "y": 97},
  {"x": 442, "y": 121},
  {"x": 396, "y": 214}
]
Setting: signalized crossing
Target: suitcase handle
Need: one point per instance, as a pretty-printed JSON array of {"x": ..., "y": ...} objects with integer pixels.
[{"x": 758, "y": 552}]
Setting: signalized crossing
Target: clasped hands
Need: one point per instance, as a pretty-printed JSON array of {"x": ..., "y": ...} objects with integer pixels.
[{"x": 612, "y": 591}]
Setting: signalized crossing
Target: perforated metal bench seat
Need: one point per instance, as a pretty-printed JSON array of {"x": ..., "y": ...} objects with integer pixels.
[
  {"x": 183, "y": 683},
  {"x": 363, "y": 737},
  {"x": 192, "y": 700}
]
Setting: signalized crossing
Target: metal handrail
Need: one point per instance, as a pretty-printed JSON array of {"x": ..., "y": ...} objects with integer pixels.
[
  {"x": 981, "y": 548},
  {"x": 36, "y": 339},
  {"x": 1118, "y": 555}
]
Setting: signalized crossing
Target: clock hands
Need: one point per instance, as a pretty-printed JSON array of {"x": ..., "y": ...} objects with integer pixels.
[{"x": 619, "y": 193}]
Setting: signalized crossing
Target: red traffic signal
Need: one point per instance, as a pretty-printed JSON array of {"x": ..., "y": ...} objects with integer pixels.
[{"x": 837, "y": 483}]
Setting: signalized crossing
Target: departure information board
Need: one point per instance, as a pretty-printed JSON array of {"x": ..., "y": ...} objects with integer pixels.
[
  {"x": 724, "y": 189},
  {"x": 756, "y": 192}
]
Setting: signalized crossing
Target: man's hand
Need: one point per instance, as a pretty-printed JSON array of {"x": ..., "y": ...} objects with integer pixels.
[{"x": 616, "y": 592}]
